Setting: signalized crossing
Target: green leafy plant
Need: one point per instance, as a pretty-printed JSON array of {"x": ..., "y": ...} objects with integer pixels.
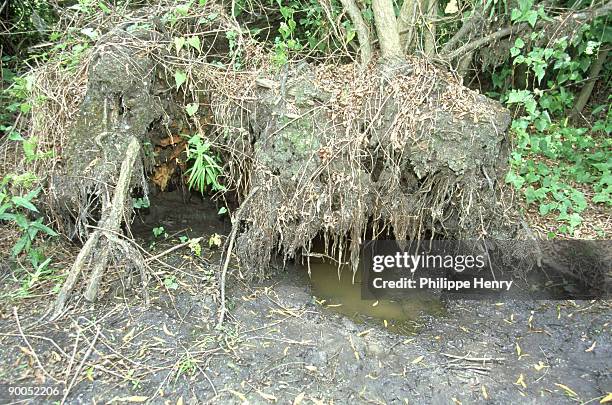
[
  {"x": 16, "y": 209},
  {"x": 552, "y": 157},
  {"x": 159, "y": 231},
  {"x": 205, "y": 169}
]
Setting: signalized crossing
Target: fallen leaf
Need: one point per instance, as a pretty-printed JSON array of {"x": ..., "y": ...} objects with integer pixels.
[
  {"x": 540, "y": 366},
  {"x": 133, "y": 398},
  {"x": 567, "y": 390},
  {"x": 128, "y": 336},
  {"x": 310, "y": 368},
  {"x": 166, "y": 331},
  {"x": 606, "y": 399},
  {"x": 418, "y": 360},
  {"x": 521, "y": 381},
  {"x": 299, "y": 398},
  {"x": 590, "y": 349},
  {"x": 180, "y": 401},
  {"x": 485, "y": 394}
]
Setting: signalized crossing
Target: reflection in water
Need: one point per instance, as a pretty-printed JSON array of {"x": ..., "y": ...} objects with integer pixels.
[{"x": 399, "y": 316}]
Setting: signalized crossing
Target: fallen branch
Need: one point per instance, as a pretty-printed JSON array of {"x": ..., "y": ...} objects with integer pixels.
[
  {"x": 585, "y": 93},
  {"x": 228, "y": 253}
]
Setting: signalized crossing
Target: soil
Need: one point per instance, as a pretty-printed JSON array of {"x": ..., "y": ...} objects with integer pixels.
[{"x": 282, "y": 344}]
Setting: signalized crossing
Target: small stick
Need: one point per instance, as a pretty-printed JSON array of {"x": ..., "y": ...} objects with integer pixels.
[
  {"x": 477, "y": 359},
  {"x": 78, "y": 370},
  {"x": 172, "y": 249},
  {"x": 30, "y": 346},
  {"x": 228, "y": 254}
]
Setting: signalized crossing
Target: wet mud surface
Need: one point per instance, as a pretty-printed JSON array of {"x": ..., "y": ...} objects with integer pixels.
[{"x": 284, "y": 342}]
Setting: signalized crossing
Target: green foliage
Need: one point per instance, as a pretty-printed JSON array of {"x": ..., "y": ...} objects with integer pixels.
[
  {"x": 160, "y": 231},
  {"x": 551, "y": 155},
  {"x": 205, "y": 169},
  {"x": 17, "y": 208},
  {"x": 305, "y": 27}
]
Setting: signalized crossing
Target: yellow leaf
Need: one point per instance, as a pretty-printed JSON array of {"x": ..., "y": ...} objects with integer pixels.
[
  {"x": 518, "y": 350},
  {"x": 455, "y": 400},
  {"x": 299, "y": 398},
  {"x": 310, "y": 368},
  {"x": 540, "y": 366},
  {"x": 521, "y": 381},
  {"x": 418, "y": 360},
  {"x": 530, "y": 322},
  {"x": 485, "y": 394},
  {"x": 128, "y": 336},
  {"x": 374, "y": 304},
  {"x": 386, "y": 323},
  {"x": 567, "y": 390},
  {"x": 606, "y": 399},
  {"x": 166, "y": 331},
  {"x": 134, "y": 398}
]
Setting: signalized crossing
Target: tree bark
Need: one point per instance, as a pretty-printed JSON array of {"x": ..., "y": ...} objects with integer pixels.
[
  {"x": 430, "y": 28},
  {"x": 406, "y": 22},
  {"x": 363, "y": 33},
  {"x": 386, "y": 28}
]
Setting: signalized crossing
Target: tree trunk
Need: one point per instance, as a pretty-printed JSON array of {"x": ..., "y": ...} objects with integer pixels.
[
  {"x": 430, "y": 28},
  {"x": 363, "y": 33},
  {"x": 406, "y": 22},
  {"x": 386, "y": 28}
]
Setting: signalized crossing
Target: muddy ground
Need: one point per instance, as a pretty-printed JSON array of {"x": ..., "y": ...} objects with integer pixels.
[{"x": 283, "y": 345}]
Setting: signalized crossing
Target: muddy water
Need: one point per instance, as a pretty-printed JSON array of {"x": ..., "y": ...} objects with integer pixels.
[{"x": 336, "y": 291}]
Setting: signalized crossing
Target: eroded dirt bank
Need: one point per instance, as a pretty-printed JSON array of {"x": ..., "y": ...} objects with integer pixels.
[{"x": 280, "y": 345}]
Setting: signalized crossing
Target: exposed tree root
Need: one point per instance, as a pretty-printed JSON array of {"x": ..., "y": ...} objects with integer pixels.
[
  {"x": 228, "y": 253},
  {"x": 102, "y": 244}
]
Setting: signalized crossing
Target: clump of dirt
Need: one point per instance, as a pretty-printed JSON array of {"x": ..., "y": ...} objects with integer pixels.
[{"x": 337, "y": 149}]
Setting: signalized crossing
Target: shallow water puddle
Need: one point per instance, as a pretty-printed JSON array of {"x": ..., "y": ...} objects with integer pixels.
[{"x": 343, "y": 296}]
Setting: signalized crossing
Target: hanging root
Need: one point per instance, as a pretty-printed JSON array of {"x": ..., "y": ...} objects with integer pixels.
[{"x": 104, "y": 242}]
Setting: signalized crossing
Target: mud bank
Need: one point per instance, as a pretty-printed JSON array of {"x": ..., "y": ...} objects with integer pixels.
[{"x": 281, "y": 344}]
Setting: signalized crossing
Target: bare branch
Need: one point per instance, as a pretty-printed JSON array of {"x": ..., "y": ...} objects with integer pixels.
[
  {"x": 586, "y": 91},
  {"x": 468, "y": 26},
  {"x": 561, "y": 20}
]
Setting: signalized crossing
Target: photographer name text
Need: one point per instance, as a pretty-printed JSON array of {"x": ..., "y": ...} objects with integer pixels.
[{"x": 406, "y": 283}]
